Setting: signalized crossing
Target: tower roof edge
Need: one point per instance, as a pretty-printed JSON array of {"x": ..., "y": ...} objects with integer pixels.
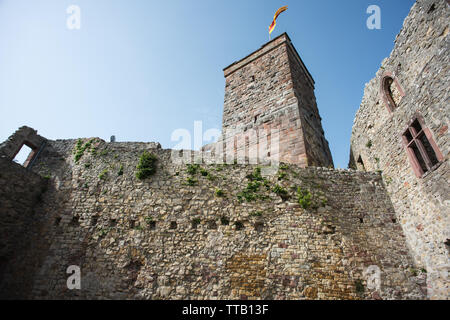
[{"x": 265, "y": 48}]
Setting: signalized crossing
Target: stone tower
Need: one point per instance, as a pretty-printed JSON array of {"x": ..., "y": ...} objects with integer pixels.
[{"x": 272, "y": 89}]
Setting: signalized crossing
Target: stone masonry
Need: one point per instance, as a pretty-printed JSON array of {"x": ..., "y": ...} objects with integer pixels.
[
  {"x": 270, "y": 91},
  {"x": 21, "y": 193},
  {"x": 417, "y": 88},
  {"x": 23, "y": 136},
  {"x": 175, "y": 236},
  {"x": 379, "y": 230}
]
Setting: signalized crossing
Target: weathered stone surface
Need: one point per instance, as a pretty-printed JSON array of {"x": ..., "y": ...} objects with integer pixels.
[
  {"x": 225, "y": 232},
  {"x": 119, "y": 230},
  {"x": 419, "y": 65},
  {"x": 21, "y": 192},
  {"x": 271, "y": 89}
]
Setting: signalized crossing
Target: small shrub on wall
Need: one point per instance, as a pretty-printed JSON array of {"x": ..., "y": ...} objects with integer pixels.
[{"x": 146, "y": 166}]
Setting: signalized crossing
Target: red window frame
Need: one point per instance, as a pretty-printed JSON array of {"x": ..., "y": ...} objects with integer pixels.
[
  {"x": 385, "y": 90},
  {"x": 416, "y": 140}
]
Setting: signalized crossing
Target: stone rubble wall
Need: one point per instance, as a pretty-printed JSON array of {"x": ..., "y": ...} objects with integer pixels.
[
  {"x": 136, "y": 239},
  {"x": 21, "y": 192},
  {"x": 419, "y": 63}
]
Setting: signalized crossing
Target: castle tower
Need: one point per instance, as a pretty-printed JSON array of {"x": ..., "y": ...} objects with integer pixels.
[{"x": 271, "y": 88}]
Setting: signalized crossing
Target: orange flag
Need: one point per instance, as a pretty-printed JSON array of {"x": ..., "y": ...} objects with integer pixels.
[{"x": 274, "y": 22}]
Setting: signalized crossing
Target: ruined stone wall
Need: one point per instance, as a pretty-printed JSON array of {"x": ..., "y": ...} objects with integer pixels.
[
  {"x": 419, "y": 66},
  {"x": 272, "y": 89},
  {"x": 23, "y": 136},
  {"x": 203, "y": 233},
  {"x": 21, "y": 192}
]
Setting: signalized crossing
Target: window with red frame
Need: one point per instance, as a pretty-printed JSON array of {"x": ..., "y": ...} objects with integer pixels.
[{"x": 423, "y": 152}]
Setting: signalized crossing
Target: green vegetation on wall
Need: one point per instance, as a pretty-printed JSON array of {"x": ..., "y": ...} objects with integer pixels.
[{"x": 146, "y": 166}]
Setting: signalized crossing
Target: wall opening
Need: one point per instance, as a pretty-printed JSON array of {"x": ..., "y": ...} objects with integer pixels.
[
  {"x": 422, "y": 151},
  {"x": 239, "y": 225},
  {"x": 391, "y": 91},
  {"x": 360, "y": 164},
  {"x": 224, "y": 221},
  {"x": 212, "y": 225},
  {"x": 195, "y": 223},
  {"x": 259, "y": 226},
  {"x": 74, "y": 222},
  {"x": 57, "y": 221},
  {"x": 23, "y": 155}
]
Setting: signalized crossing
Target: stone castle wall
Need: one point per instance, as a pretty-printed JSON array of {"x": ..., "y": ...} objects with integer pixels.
[
  {"x": 226, "y": 232},
  {"x": 140, "y": 239},
  {"x": 418, "y": 65},
  {"x": 21, "y": 192}
]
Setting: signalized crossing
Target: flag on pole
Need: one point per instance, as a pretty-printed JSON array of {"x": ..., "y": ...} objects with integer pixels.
[{"x": 274, "y": 22}]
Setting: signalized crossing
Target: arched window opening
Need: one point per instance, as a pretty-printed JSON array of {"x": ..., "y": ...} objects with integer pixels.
[{"x": 391, "y": 92}]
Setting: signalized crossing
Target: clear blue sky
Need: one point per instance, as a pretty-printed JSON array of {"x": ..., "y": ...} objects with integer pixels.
[{"x": 141, "y": 69}]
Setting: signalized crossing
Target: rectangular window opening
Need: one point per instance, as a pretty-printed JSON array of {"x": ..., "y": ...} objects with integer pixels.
[
  {"x": 422, "y": 151},
  {"x": 23, "y": 154}
]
